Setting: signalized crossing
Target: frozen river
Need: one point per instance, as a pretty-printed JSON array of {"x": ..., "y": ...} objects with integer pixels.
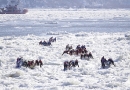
[
  {"x": 40, "y": 21},
  {"x": 104, "y": 32}
]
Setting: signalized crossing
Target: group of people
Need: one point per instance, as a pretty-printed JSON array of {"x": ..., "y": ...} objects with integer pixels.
[
  {"x": 51, "y": 39},
  {"x": 71, "y": 63},
  {"x": 31, "y": 63},
  {"x": 47, "y": 43},
  {"x": 81, "y": 47},
  {"x": 67, "y": 64},
  {"x": 69, "y": 47},
  {"x": 80, "y": 50},
  {"x": 105, "y": 63},
  {"x": 77, "y": 50}
]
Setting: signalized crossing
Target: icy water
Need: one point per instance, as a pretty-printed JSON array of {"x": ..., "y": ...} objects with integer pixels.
[
  {"x": 83, "y": 27},
  {"x": 39, "y": 22}
]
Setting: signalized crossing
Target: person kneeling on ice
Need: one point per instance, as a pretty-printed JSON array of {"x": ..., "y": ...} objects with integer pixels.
[
  {"x": 40, "y": 43},
  {"x": 78, "y": 47},
  {"x": 105, "y": 62},
  {"x": 49, "y": 43},
  {"x": 71, "y": 63},
  {"x": 50, "y": 39},
  {"x": 44, "y": 42},
  {"x": 25, "y": 64},
  {"x": 109, "y": 62}
]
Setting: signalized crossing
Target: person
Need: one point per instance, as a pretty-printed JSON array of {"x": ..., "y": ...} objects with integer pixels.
[
  {"x": 103, "y": 60},
  {"x": 90, "y": 55},
  {"x": 85, "y": 50},
  {"x": 54, "y": 39},
  {"x": 49, "y": 43},
  {"x": 40, "y": 63},
  {"x": 44, "y": 42},
  {"x": 76, "y": 62},
  {"x": 40, "y": 43},
  {"x": 67, "y": 47},
  {"x": 78, "y": 47},
  {"x": 83, "y": 46},
  {"x": 66, "y": 64},
  {"x": 71, "y": 64},
  {"x": 37, "y": 63},
  {"x": 82, "y": 54},
  {"x": 51, "y": 39},
  {"x": 70, "y": 47},
  {"x": 25, "y": 64},
  {"x": 19, "y": 62},
  {"x": 110, "y": 61},
  {"x": 32, "y": 64}
]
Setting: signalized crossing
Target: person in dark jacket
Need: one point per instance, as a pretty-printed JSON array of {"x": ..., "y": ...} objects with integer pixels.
[
  {"x": 103, "y": 60},
  {"x": 76, "y": 63},
  {"x": 111, "y": 61},
  {"x": 66, "y": 65},
  {"x": 40, "y": 63}
]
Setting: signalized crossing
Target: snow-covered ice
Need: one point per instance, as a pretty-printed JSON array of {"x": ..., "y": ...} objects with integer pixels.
[{"x": 103, "y": 32}]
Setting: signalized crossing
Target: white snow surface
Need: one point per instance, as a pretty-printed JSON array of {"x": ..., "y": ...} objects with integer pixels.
[{"x": 88, "y": 76}]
